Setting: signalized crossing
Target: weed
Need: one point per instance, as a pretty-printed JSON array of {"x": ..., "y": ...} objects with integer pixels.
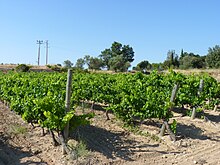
[
  {"x": 79, "y": 150},
  {"x": 136, "y": 130},
  {"x": 16, "y": 129}
]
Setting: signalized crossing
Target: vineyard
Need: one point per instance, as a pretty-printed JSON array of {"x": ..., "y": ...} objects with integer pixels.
[{"x": 39, "y": 98}]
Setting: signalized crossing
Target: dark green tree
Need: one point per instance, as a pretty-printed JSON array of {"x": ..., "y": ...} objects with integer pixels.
[
  {"x": 191, "y": 60},
  {"x": 172, "y": 60},
  {"x": 213, "y": 57},
  {"x": 143, "y": 66},
  {"x": 110, "y": 57},
  {"x": 93, "y": 62},
  {"x": 118, "y": 64},
  {"x": 67, "y": 64},
  {"x": 157, "y": 66},
  {"x": 128, "y": 53},
  {"x": 87, "y": 59},
  {"x": 183, "y": 54},
  {"x": 106, "y": 55},
  {"x": 80, "y": 63}
]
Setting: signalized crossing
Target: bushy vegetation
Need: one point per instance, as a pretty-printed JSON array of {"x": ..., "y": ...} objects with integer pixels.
[{"x": 22, "y": 68}]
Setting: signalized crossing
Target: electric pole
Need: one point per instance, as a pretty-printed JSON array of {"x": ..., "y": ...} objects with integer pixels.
[
  {"x": 46, "y": 51},
  {"x": 39, "y": 42}
]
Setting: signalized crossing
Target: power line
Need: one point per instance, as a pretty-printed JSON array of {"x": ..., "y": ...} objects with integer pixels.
[{"x": 38, "y": 59}]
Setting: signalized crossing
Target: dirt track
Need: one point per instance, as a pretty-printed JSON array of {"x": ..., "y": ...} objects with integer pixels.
[{"x": 198, "y": 143}]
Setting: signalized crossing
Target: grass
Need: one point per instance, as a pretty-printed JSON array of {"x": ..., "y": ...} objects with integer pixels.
[
  {"x": 16, "y": 129},
  {"x": 79, "y": 149},
  {"x": 136, "y": 130}
]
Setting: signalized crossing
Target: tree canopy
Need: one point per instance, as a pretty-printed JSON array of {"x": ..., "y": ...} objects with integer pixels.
[
  {"x": 118, "y": 57},
  {"x": 67, "y": 64},
  {"x": 172, "y": 60},
  {"x": 191, "y": 60},
  {"x": 213, "y": 57},
  {"x": 80, "y": 63},
  {"x": 143, "y": 66}
]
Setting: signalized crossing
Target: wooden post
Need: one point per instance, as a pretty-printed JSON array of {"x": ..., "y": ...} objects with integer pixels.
[
  {"x": 174, "y": 92},
  {"x": 165, "y": 123},
  {"x": 193, "y": 113},
  {"x": 215, "y": 108},
  {"x": 83, "y": 107},
  {"x": 162, "y": 130},
  {"x": 201, "y": 85},
  {"x": 63, "y": 137},
  {"x": 67, "y": 101}
]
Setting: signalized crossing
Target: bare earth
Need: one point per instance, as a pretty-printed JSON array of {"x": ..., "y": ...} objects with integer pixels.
[{"x": 108, "y": 143}]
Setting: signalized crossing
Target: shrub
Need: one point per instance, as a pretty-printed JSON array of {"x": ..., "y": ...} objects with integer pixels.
[{"x": 22, "y": 68}]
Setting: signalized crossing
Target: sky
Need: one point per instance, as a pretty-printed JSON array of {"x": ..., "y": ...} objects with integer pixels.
[{"x": 75, "y": 28}]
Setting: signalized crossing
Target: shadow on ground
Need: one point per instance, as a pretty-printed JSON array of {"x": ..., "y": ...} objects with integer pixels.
[
  {"x": 112, "y": 145},
  {"x": 213, "y": 118},
  {"x": 10, "y": 155},
  {"x": 193, "y": 132}
]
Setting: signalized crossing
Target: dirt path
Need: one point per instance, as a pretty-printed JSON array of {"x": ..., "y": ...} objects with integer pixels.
[{"x": 108, "y": 143}]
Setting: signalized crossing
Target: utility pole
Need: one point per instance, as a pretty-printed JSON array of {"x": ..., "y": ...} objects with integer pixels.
[
  {"x": 46, "y": 51},
  {"x": 38, "y": 60}
]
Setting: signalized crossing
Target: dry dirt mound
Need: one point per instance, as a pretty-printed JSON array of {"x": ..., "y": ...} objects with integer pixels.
[{"x": 108, "y": 143}]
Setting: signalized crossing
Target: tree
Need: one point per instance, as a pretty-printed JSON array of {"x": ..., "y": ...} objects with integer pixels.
[
  {"x": 118, "y": 64},
  {"x": 183, "y": 54},
  {"x": 143, "y": 66},
  {"x": 111, "y": 57},
  {"x": 93, "y": 62},
  {"x": 128, "y": 53},
  {"x": 172, "y": 60},
  {"x": 157, "y": 66},
  {"x": 106, "y": 56},
  {"x": 213, "y": 57},
  {"x": 80, "y": 63},
  {"x": 191, "y": 60},
  {"x": 67, "y": 64}
]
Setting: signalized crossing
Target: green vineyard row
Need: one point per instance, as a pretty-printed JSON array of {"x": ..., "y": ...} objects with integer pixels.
[{"x": 40, "y": 97}]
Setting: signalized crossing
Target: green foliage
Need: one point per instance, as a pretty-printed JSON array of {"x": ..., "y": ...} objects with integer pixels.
[
  {"x": 67, "y": 64},
  {"x": 172, "y": 60},
  {"x": 157, "y": 66},
  {"x": 173, "y": 126},
  {"x": 118, "y": 57},
  {"x": 190, "y": 60},
  {"x": 80, "y": 150},
  {"x": 143, "y": 66},
  {"x": 80, "y": 63},
  {"x": 57, "y": 68},
  {"x": 117, "y": 63},
  {"x": 22, "y": 68},
  {"x": 93, "y": 62},
  {"x": 16, "y": 129},
  {"x": 40, "y": 97},
  {"x": 213, "y": 57}
]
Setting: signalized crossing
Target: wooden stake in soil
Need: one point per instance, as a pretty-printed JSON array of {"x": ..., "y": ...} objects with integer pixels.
[
  {"x": 67, "y": 102},
  {"x": 162, "y": 130},
  {"x": 193, "y": 116},
  {"x": 67, "y": 106},
  {"x": 174, "y": 92},
  {"x": 165, "y": 123},
  {"x": 215, "y": 108},
  {"x": 201, "y": 85}
]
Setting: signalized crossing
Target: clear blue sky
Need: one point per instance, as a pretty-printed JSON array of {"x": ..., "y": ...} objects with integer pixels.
[{"x": 76, "y": 28}]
